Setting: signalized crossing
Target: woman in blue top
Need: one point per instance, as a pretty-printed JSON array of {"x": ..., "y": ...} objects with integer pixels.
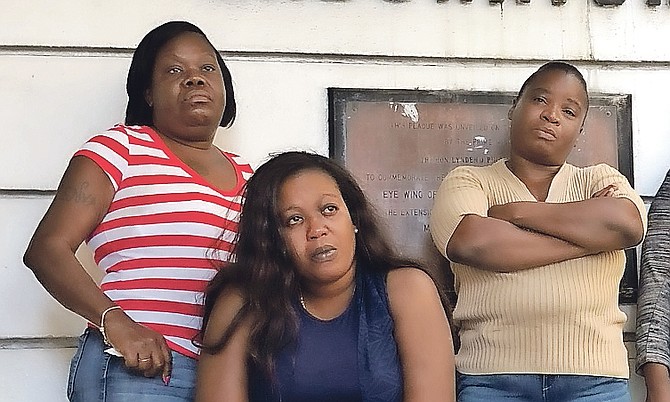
[{"x": 317, "y": 306}]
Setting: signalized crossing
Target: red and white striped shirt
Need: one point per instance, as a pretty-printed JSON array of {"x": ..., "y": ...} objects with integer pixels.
[{"x": 166, "y": 231}]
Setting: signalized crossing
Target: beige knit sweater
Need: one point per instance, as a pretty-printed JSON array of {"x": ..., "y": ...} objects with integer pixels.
[{"x": 561, "y": 318}]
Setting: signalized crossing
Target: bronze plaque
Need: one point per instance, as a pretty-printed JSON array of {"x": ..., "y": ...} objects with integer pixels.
[{"x": 401, "y": 144}]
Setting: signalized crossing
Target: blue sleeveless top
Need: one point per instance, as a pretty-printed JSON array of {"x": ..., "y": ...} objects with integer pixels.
[{"x": 350, "y": 358}]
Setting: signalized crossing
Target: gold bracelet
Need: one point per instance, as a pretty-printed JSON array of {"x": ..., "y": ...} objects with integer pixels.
[{"x": 102, "y": 323}]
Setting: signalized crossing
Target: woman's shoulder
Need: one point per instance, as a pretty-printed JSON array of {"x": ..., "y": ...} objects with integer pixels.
[
  {"x": 144, "y": 132},
  {"x": 124, "y": 135},
  {"x": 591, "y": 170},
  {"x": 226, "y": 305},
  {"x": 475, "y": 174},
  {"x": 239, "y": 162},
  {"x": 409, "y": 280},
  {"x": 596, "y": 177},
  {"x": 412, "y": 291},
  {"x": 230, "y": 298},
  {"x": 485, "y": 170}
]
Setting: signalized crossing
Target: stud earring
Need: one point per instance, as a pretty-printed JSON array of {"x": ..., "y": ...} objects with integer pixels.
[{"x": 355, "y": 229}]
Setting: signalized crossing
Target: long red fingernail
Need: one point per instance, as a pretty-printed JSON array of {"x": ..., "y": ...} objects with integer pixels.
[{"x": 166, "y": 379}]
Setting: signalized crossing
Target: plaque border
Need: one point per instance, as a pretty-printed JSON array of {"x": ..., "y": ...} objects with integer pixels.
[{"x": 337, "y": 135}]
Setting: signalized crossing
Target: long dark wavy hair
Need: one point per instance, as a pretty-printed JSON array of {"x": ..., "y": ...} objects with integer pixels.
[
  {"x": 263, "y": 268},
  {"x": 138, "y": 111}
]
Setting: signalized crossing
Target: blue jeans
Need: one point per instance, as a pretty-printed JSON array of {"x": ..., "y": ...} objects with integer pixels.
[
  {"x": 96, "y": 376},
  {"x": 541, "y": 388}
]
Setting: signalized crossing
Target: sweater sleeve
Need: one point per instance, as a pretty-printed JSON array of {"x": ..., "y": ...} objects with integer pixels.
[
  {"x": 604, "y": 175},
  {"x": 461, "y": 193},
  {"x": 653, "y": 308}
]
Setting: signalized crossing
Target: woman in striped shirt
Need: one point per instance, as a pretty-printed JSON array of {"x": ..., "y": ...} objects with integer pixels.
[{"x": 158, "y": 204}]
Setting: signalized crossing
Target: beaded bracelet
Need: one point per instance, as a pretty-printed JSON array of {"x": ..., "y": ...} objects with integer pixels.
[{"x": 102, "y": 323}]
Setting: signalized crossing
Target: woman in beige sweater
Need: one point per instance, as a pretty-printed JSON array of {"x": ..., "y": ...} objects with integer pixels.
[{"x": 536, "y": 247}]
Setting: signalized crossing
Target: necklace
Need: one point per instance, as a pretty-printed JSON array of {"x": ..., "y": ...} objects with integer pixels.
[{"x": 304, "y": 307}]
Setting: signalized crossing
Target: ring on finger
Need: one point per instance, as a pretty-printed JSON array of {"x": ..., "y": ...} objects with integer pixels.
[{"x": 146, "y": 359}]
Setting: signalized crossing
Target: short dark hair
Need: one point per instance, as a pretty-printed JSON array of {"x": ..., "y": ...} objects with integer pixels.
[
  {"x": 138, "y": 111},
  {"x": 558, "y": 66},
  {"x": 264, "y": 269}
]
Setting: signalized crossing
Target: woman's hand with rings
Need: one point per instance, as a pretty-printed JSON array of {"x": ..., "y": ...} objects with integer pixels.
[{"x": 143, "y": 349}]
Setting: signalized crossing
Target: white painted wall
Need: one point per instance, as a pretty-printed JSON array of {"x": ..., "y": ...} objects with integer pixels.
[{"x": 63, "y": 67}]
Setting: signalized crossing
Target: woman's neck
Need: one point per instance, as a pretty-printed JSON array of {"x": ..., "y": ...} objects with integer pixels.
[
  {"x": 327, "y": 302},
  {"x": 197, "y": 138},
  {"x": 536, "y": 177}
]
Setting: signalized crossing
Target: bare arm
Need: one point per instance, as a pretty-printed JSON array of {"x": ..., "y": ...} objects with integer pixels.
[
  {"x": 223, "y": 376},
  {"x": 657, "y": 381},
  {"x": 81, "y": 201},
  {"x": 597, "y": 224},
  {"x": 496, "y": 245},
  {"x": 83, "y": 196},
  {"x": 423, "y": 336}
]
